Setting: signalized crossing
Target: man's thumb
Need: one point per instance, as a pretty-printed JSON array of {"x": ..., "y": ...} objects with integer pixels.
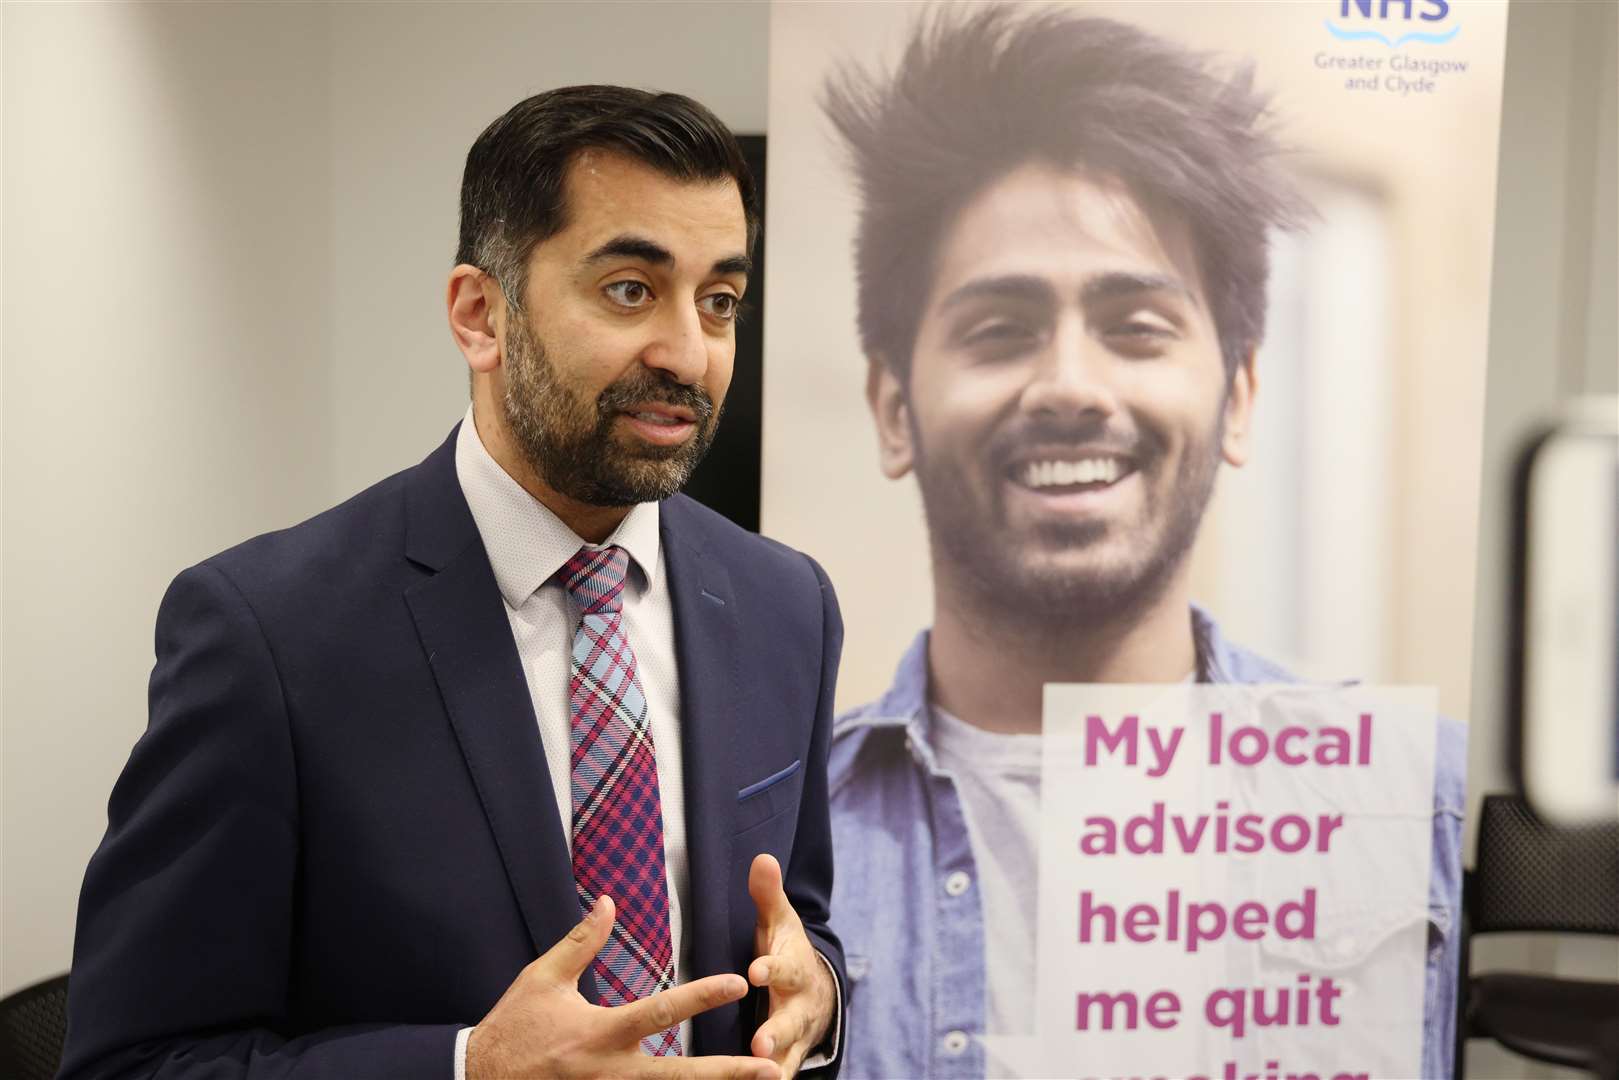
[
  {"x": 764, "y": 885},
  {"x": 568, "y": 958}
]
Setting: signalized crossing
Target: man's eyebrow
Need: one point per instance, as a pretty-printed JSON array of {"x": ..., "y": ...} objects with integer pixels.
[
  {"x": 1004, "y": 287},
  {"x": 633, "y": 247},
  {"x": 1034, "y": 289},
  {"x": 1125, "y": 283},
  {"x": 650, "y": 251}
]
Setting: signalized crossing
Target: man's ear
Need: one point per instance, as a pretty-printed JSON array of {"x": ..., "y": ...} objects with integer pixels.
[
  {"x": 477, "y": 311},
  {"x": 885, "y": 394},
  {"x": 1239, "y": 412}
]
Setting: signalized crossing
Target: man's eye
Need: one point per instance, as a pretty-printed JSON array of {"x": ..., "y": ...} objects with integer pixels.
[
  {"x": 1141, "y": 339},
  {"x": 631, "y": 294},
  {"x": 721, "y": 305},
  {"x": 1140, "y": 328},
  {"x": 997, "y": 333}
]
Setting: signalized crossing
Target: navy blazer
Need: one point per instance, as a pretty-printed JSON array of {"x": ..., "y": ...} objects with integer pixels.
[{"x": 336, "y": 843}]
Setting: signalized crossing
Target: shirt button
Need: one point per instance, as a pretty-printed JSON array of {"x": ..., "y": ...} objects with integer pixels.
[
  {"x": 956, "y": 884},
  {"x": 955, "y": 1043}
]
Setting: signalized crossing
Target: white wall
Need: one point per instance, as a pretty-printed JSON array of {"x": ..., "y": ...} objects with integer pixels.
[
  {"x": 158, "y": 402},
  {"x": 3, "y": 70},
  {"x": 1599, "y": 66},
  {"x": 226, "y": 234}
]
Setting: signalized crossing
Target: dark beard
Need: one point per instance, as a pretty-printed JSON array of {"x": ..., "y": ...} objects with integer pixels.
[
  {"x": 969, "y": 541},
  {"x": 569, "y": 441}
]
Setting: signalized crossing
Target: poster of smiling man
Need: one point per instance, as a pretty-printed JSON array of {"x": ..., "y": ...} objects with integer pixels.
[{"x": 1125, "y": 370}]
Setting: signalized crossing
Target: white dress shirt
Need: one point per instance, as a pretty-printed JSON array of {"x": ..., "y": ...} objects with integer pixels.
[{"x": 527, "y": 544}]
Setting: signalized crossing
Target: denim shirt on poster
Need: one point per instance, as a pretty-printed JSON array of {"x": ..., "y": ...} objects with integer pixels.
[{"x": 912, "y": 934}]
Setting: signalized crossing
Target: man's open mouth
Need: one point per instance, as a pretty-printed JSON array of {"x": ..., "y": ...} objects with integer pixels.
[
  {"x": 660, "y": 423},
  {"x": 660, "y": 418},
  {"x": 1071, "y": 474}
]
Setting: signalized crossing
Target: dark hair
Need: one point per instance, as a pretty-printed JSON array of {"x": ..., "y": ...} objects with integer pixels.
[
  {"x": 512, "y": 191},
  {"x": 976, "y": 97}
]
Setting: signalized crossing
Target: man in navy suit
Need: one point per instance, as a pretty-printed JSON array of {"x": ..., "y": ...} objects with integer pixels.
[{"x": 518, "y": 734}]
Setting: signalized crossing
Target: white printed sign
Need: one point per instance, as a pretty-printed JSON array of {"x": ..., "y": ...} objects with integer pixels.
[{"x": 1233, "y": 884}]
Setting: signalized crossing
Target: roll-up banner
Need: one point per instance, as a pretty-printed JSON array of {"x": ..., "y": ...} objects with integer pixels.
[{"x": 1125, "y": 371}]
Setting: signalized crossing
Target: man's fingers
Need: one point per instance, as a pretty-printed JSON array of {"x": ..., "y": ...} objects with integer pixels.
[
  {"x": 706, "y": 1068},
  {"x": 776, "y": 1036},
  {"x": 764, "y": 885},
  {"x": 778, "y": 972},
  {"x": 653, "y": 1014},
  {"x": 565, "y": 961}
]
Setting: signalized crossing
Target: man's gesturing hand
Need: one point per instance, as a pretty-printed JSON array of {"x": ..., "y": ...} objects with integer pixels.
[
  {"x": 543, "y": 1027},
  {"x": 802, "y": 993}
]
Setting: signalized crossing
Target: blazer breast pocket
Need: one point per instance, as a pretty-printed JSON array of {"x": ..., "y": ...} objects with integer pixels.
[{"x": 772, "y": 794}]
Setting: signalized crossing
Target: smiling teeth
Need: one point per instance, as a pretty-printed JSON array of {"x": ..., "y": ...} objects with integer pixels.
[{"x": 1040, "y": 474}]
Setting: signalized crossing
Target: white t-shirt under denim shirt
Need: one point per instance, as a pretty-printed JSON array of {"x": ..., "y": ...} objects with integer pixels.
[{"x": 998, "y": 776}]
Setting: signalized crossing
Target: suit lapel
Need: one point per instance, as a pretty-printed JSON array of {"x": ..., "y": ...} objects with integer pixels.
[
  {"x": 467, "y": 639},
  {"x": 708, "y": 651}
]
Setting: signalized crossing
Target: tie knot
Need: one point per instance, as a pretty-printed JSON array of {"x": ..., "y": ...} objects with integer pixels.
[{"x": 594, "y": 577}]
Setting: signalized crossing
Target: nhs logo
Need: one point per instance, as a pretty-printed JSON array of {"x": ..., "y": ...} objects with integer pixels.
[{"x": 1393, "y": 22}]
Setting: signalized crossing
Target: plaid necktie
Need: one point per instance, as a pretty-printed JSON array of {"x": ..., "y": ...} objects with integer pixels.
[{"x": 617, "y": 815}]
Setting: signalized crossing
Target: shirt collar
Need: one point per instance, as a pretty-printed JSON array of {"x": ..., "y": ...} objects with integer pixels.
[
  {"x": 903, "y": 707},
  {"x": 1219, "y": 660},
  {"x": 527, "y": 543},
  {"x": 1211, "y": 649}
]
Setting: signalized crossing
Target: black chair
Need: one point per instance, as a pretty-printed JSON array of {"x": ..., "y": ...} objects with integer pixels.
[
  {"x": 33, "y": 1023},
  {"x": 1530, "y": 876}
]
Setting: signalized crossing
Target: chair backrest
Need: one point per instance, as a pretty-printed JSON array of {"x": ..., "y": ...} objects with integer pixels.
[
  {"x": 1530, "y": 875},
  {"x": 33, "y": 1024}
]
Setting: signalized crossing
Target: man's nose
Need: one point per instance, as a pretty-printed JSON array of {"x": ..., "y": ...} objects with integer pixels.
[
  {"x": 679, "y": 347},
  {"x": 1072, "y": 375}
]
